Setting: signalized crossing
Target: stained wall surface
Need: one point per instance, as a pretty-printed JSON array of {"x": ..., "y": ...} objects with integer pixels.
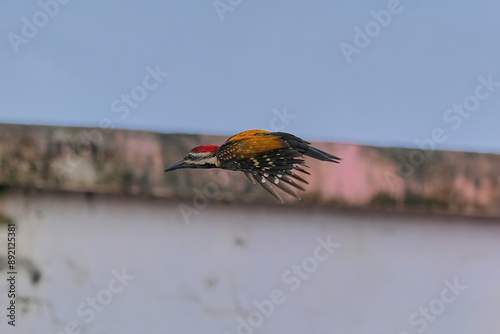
[
  {"x": 391, "y": 240},
  {"x": 111, "y": 264}
]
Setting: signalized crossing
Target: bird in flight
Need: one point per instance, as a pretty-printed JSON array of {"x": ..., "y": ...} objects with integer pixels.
[{"x": 267, "y": 158}]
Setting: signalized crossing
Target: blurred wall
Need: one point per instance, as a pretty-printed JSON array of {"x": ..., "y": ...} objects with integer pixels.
[
  {"x": 114, "y": 264},
  {"x": 129, "y": 162}
]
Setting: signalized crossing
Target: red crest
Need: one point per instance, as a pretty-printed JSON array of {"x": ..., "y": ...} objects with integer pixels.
[{"x": 205, "y": 148}]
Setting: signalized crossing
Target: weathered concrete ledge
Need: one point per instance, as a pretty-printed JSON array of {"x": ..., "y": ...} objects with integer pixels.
[{"x": 129, "y": 162}]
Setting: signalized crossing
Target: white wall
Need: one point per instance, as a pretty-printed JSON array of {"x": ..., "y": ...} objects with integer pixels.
[{"x": 200, "y": 277}]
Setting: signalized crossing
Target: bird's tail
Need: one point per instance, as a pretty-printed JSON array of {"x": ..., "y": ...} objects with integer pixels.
[
  {"x": 321, "y": 155},
  {"x": 305, "y": 147}
]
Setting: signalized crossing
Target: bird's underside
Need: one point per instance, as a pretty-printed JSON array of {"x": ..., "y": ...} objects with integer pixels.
[
  {"x": 280, "y": 180},
  {"x": 276, "y": 171}
]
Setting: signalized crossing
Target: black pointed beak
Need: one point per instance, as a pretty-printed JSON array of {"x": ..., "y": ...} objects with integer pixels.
[{"x": 176, "y": 165}]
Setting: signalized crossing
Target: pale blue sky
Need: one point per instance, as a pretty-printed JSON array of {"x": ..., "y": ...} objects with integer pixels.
[{"x": 227, "y": 76}]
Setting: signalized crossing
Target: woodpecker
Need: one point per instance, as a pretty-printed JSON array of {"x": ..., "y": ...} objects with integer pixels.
[{"x": 266, "y": 158}]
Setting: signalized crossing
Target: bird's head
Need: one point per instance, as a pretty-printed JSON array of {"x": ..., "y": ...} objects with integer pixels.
[{"x": 198, "y": 157}]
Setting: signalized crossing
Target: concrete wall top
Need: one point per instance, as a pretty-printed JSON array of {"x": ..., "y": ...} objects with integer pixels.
[{"x": 126, "y": 162}]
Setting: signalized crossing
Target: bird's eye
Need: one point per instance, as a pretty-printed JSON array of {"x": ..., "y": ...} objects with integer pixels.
[{"x": 190, "y": 156}]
